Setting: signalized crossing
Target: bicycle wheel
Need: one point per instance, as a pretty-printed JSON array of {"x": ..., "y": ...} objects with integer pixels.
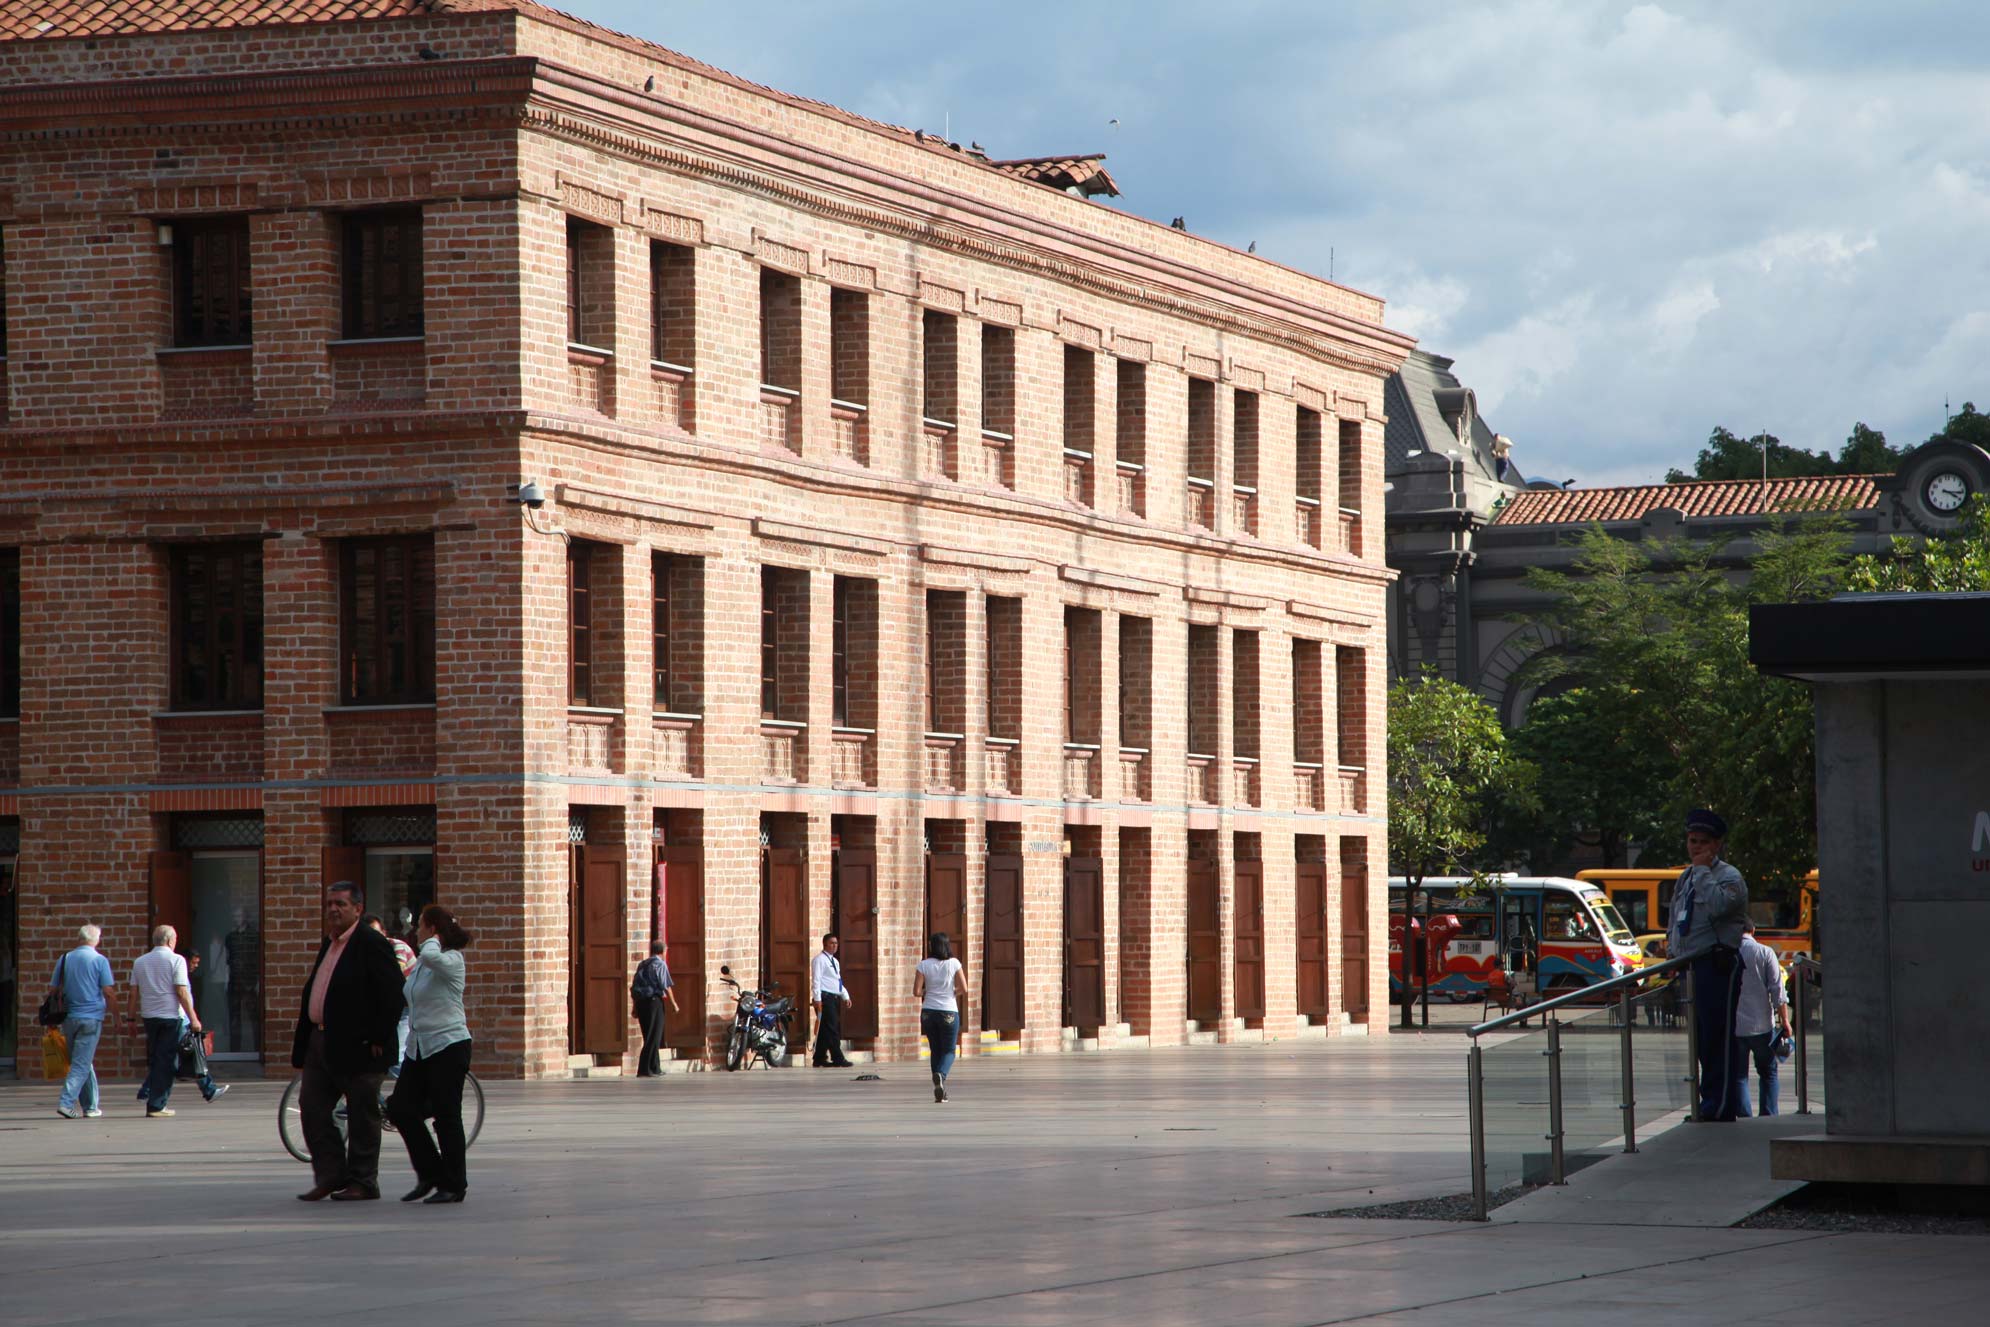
[
  {"x": 290, "y": 1122},
  {"x": 473, "y": 1109}
]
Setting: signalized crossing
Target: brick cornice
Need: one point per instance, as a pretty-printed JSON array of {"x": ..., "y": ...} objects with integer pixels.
[{"x": 124, "y": 106}]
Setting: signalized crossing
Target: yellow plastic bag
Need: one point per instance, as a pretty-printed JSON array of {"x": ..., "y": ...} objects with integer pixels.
[{"x": 54, "y": 1054}]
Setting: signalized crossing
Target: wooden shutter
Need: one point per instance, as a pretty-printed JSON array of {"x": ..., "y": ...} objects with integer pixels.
[
  {"x": 171, "y": 888},
  {"x": 1249, "y": 952},
  {"x": 1354, "y": 934},
  {"x": 1311, "y": 891},
  {"x": 336, "y": 864},
  {"x": 1084, "y": 943},
  {"x": 604, "y": 944},
  {"x": 857, "y": 926},
  {"x": 1002, "y": 979},
  {"x": 681, "y": 886},
  {"x": 946, "y": 897},
  {"x": 785, "y": 948},
  {"x": 1205, "y": 942}
]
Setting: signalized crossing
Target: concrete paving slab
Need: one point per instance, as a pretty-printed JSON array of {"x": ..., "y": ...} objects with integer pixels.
[
  {"x": 1688, "y": 1175},
  {"x": 1153, "y": 1187}
]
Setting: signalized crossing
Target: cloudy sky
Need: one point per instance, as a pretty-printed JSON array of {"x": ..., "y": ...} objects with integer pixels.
[{"x": 1626, "y": 222}]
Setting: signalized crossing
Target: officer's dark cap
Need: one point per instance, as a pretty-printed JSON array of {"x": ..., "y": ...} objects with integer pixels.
[{"x": 1703, "y": 821}]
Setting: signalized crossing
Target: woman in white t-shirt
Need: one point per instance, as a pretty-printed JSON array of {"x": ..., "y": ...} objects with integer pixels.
[{"x": 937, "y": 985}]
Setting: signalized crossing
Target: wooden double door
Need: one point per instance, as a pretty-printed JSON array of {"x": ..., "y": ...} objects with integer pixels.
[
  {"x": 598, "y": 1013},
  {"x": 855, "y": 906},
  {"x": 678, "y": 919},
  {"x": 1205, "y": 940},
  {"x": 1002, "y": 944},
  {"x": 785, "y": 949},
  {"x": 1310, "y": 888}
]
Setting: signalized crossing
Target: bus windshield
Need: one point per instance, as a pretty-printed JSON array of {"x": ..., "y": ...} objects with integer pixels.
[{"x": 1613, "y": 925}]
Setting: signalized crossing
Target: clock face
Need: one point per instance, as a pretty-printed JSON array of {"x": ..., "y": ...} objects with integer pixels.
[{"x": 1947, "y": 491}]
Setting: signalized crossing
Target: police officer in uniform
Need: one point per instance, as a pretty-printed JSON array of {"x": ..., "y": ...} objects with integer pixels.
[{"x": 1709, "y": 905}]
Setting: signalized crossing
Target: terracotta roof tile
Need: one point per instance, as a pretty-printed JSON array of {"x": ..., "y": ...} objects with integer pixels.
[
  {"x": 25, "y": 20},
  {"x": 1087, "y": 173},
  {"x": 1719, "y": 497}
]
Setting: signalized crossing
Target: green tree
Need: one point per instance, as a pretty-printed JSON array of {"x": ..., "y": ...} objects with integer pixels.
[
  {"x": 1727, "y": 456},
  {"x": 1953, "y": 563},
  {"x": 1965, "y": 425},
  {"x": 1866, "y": 452},
  {"x": 1448, "y": 764},
  {"x": 1661, "y": 636},
  {"x": 1594, "y": 787}
]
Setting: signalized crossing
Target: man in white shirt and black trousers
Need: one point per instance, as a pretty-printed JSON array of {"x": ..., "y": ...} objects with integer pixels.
[
  {"x": 160, "y": 978},
  {"x": 828, "y": 996}
]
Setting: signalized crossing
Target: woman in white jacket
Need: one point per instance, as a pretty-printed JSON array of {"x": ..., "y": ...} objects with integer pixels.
[{"x": 431, "y": 1082}]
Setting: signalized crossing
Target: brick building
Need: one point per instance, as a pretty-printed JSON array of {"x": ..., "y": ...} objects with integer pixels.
[{"x": 922, "y": 547}]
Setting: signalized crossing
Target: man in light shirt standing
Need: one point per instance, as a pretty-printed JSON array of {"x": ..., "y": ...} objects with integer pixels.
[
  {"x": 1709, "y": 905},
  {"x": 829, "y": 997},
  {"x": 159, "y": 977},
  {"x": 1763, "y": 1008}
]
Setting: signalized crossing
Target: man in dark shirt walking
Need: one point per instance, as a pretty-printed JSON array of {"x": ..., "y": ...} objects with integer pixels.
[
  {"x": 649, "y": 990},
  {"x": 346, "y": 1032}
]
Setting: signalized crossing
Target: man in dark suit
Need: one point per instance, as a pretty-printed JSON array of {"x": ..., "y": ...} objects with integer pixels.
[{"x": 346, "y": 1033}]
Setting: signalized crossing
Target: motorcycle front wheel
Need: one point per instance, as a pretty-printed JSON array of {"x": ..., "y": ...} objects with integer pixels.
[
  {"x": 736, "y": 1048},
  {"x": 777, "y": 1053}
]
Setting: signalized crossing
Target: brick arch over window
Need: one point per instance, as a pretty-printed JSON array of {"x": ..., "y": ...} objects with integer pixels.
[{"x": 1501, "y": 679}]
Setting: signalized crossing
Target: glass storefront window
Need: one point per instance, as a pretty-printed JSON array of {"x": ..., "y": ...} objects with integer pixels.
[
  {"x": 400, "y": 882},
  {"x": 227, "y": 940}
]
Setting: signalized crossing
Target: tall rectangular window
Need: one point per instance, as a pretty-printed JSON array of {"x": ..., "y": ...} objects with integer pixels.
[
  {"x": 1080, "y": 407},
  {"x": 3, "y": 292},
  {"x": 1003, "y": 683},
  {"x": 854, "y": 653},
  {"x": 1136, "y": 682},
  {"x": 1350, "y": 485},
  {"x": 590, "y": 285},
  {"x": 580, "y": 623},
  {"x": 839, "y": 653},
  {"x": 673, "y": 306},
  {"x": 1244, "y": 710},
  {"x": 784, "y": 639},
  {"x": 1244, "y": 461},
  {"x": 1205, "y": 700},
  {"x": 1351, "y": 697},
  {"x": 381, "y": 273},
  {"x": 217, "y": 626},
  {"x": 387, "y": 611},
  {"x": 1083, "y": 656},
  {"x": 1306, "y": 475},
  {"x": 1308, "y": 704},
  {"x": 998, "y": 380},
  {"x": 10, "y": 633},
  {"x": 850, "y": 347},
  {"x": 1130, "y": 435},
  {"x": 677, "y": 616},
  {"x": 940, "y": 367},
  {"x": 780, "y": 331},
  {"x": 211, "y": 282},
  {"x": 946, "y": 661},
  {"x": 1200, "y": 501}
]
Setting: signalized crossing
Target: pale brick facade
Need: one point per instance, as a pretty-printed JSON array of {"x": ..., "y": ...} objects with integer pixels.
[{"x": 882, "y": 458}]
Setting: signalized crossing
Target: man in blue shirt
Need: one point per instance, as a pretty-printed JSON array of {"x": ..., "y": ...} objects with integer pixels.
[
  {"x": 85, "y": 978},
  {"x": 1709, "y": 906}
]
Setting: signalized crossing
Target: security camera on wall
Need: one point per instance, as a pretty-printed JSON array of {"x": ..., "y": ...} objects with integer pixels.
[{"x": 530, "y": 495}]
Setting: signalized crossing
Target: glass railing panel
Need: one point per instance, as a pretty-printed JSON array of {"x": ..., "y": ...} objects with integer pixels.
[{"x": 1515, "y": 1076}]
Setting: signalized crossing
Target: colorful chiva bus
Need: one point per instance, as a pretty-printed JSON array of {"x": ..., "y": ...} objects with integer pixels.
[
  {"x": 1643, "y": 897},
  {"x": 1563, "y": 932}
]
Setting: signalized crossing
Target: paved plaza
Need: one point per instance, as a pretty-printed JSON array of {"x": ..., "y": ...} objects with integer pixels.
[{"x": 1138, "y": 1187}]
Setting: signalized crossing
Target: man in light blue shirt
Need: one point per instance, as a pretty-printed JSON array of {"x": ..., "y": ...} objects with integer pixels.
[
  {"x": 90, "y": 991},
  {"x": 1764, "y": 1008},
  {"x": 1709, "y": 908}
]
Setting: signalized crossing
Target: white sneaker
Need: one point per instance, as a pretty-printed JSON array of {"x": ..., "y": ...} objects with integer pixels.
[
  {"x": 166, "y": 1114},
  {"x": 94, "y": 1113},
  {"x": 69, "y": 1112},
  {"x": 219, "y": 1090}
]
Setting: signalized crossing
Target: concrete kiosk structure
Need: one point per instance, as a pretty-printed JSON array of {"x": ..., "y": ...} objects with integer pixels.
[{"x": 1903, "y": 816}]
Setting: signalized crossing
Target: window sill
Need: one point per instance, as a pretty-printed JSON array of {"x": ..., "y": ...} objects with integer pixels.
[
  {"x": 773, "y": 395},
  {"x": 184, "y": 716},
  {"x": 390, "y": 708},
  {"x": 932, "y": 425},
  {"x": 242, "y": 352},
  {"x": 781, "y": 725},
  {"x": 663, "y": 368},
  {"x": 1001, "y": 741},
  {"x": 673, "y": 717},
  {"x": 996, "y": 435},
  {"x": 594, "y": 711},
  {"x": 381, "y": 347}
]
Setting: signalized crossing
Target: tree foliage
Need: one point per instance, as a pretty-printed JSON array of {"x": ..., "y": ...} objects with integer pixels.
[
  {"x": 1658, "y": 639},
  {"x": 1449, "y": 765},
  {"x": 1728, "y": 456},
  {"x": 1594, "y": 789},
  {"x": 1956, "y": 563}
]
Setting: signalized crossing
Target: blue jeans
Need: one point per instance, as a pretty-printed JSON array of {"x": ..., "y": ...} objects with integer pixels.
[
  {"x": 80, "y": 1087},
  {"x": 1766, "y": 1065},
  {"x": 942, "y": 1029}
]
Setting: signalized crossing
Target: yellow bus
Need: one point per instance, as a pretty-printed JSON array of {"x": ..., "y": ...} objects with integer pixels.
[{"x": 1643, "y": 898}]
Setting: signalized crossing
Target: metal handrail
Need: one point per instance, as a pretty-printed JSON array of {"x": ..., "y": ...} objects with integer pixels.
[
  {"x": 1800, "y": 968},
  {"x": 1623, "y": 987},
  {"x": 1580, "y": 995}
]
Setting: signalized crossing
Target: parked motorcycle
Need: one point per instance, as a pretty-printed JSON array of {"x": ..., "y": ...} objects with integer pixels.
[{"x": 760, "y": 1025}]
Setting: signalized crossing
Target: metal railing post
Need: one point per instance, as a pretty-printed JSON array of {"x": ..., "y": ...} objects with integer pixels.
[
  {"x": 1692, "y": 1046},
  {"x": 1630, "y": 1078},
  {"x": 1803, "y": 1036},
  {"x": 1556, "y": 1173},
  {"x": 1475, "y": 1077}
]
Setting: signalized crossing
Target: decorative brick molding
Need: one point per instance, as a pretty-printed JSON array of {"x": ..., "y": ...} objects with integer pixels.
[
  {"x": 1000, "y": 311},
  {"x": 588, "y": 499},
  {"x": 1132, "y": 347},
  {"x": 1106, "y": 580},
  {"x": 945, "y": 298},
  {"x": 803, "y": 534},
  {"x": 195, "y": 196},
  {"x": 1203, "y": 366},
  {"x": 960, "y": 557},
  {"x": 1250, "y": 380},
  {"x": 401, "y": 184},
  {"x": 583, "y": 201},
  {"x": 776, "y": 254},
  {"x": 854, "y": 275},
  {"x": 1197, "y": 594},
  {"x": 1313, "y": 398},
  {"x": 666, "y": 225},
  {"x": 1077, "y": 333}
]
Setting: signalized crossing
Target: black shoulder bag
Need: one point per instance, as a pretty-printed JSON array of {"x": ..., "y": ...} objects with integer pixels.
[{"x": 55, "y": 1009}]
